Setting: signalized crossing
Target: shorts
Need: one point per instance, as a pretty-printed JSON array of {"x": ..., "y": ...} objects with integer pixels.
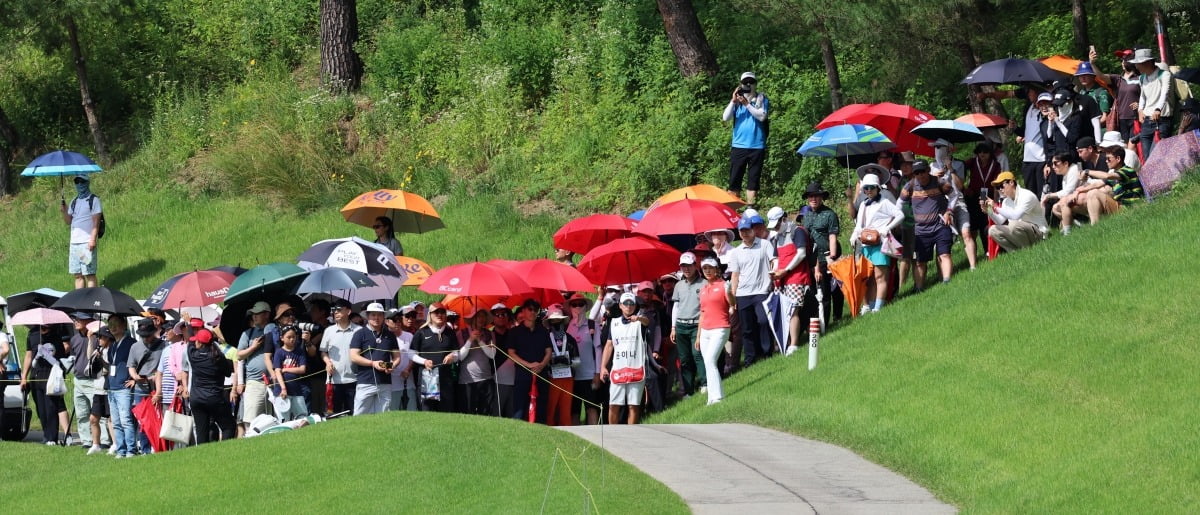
[
  {"x": 628, "y": 394},
  {"x": 99, "y": 406},
  {"x": 255, "y": 401},
  {"x": 941, "y": 237},
  {"x": 76, "y": 258},
  {"x": 962, "y": 218},
  {"x": 1108, "y": 206},
  {"x": 875, "y": 255}
]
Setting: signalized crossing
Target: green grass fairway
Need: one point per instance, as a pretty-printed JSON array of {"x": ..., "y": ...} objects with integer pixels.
[
  {"x": 388, "y": 463},
  {"x": 1057, "y": 379}
]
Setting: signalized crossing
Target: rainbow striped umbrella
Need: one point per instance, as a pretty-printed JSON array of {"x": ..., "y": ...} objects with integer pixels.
[{"x": 845, "y": 140}]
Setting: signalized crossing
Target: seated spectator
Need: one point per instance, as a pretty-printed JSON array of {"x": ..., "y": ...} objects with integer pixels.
[
  {"x": 1122, "y": 187},
  {"x": 1190, "y": 115},
  {"x": 1112, "y": 139},
  {"x": 1020, "y": 219},
  {"x": 1066, "y": 166}
]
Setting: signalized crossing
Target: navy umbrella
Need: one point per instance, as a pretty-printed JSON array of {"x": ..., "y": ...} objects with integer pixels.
[
  {"x": 1012, "y": 71},
  {"x": 953, "y": 131},
  {"x": 60, "y": 163},
  {"x": 99, "y": 299}
]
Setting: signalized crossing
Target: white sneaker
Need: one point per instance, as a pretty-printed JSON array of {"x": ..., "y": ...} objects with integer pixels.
[
  {"x": 52, "y": 443},
  {"x": 112, "y": 450},
  {"x": 791, "y": 350},
  {"x": 865, "y": 309},
  {"x": 703, "y": 389},
  {"x": 710, "y": 403},
  {"x": 95, "y": 450}
]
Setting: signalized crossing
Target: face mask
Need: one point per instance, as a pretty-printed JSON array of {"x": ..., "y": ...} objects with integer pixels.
[
  {"x": 941, "y": 153},
  {"x": 81, "y": 188}
]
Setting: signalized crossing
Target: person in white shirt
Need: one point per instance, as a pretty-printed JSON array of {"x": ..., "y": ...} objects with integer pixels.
[
  {"x": 750, "y": 280},
  {"x": 83, "y": 215},
  {"x": 881, "y": 215},
  {"x": 1020, "y": 220},
  {"x": 335, "y": 351},
  {"x": 1155, "y": 101},
  {"x": 1066, "y": 165}
]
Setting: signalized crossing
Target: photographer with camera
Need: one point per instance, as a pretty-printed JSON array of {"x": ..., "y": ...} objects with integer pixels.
[
  {"x": 436, "y": 347},
  {"x": 748, "y": 110},
  {"x": 374, "y": 352}
]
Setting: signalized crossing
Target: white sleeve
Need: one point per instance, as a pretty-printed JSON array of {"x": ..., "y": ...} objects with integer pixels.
[
  {"x": 758, "y": 113},
  {"x": 729, "y": 110}
]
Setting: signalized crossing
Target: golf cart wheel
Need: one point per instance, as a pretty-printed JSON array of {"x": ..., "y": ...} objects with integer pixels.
[{"x": 14, "y": 423}]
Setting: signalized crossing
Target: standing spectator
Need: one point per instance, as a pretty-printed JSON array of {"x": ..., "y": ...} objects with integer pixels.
[
  {"x": 748, "y": 110},
  {"x": 477, "y": 372},
  {"x": 143, "y": 363},
  {"x": 404, "y": 391},
  {"x": 931, "y": 201},
  {"x": 750, "y": 266},
  {"x": 1033, "y": 141},
  {"x": 627, "y": 350},
  {"x": 289, "y": 363},
  {"x": 120, "y": 384},
  {"x": 505, "y": 368},
  {"x": 562, "y": 377},
  {"x": 881, "y": 216},
  {"x": 434, "y": 349},
  {"x": 793, "y": 276},
  {"x": 823, "y": 226},
  {"x": 254, "y": 360},
  {"x": 385, "y": 234},
  {"x": 587, "y": 374},
  {"x": 201, "y": 382},
  {"x": 565, "y": 257},
  {"x": 1124, "y": 111},
  {"x": 1155, "y": 99},
  {"x": 94, "y": 369},
  {"x": 373, "y": 353},
  {"x": 88, "y": 380},
  {"x": 84, "y": 217},
  {"x": 43, "y": 350},
  {"x": 685, "y": 319},
  {"x": 716, "y": 307},
  {"x": 905, "y": 232},
  {"x": 954, "y": 172},
  {"x": 335, "y": 352},
  {"x": 170, "y": 364},
  {"x": 1020, "y": 219},
  {"x": 982, "y": 170},
  {"x": 1092, "y": 89},
  {"x": 314, "y": 372},
  {"x": 722, "y": 243},
  {"x": 528, "y": 346}
]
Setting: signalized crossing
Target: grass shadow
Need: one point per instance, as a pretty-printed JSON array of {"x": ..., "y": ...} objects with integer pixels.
[{"x": 123, "y": 277}]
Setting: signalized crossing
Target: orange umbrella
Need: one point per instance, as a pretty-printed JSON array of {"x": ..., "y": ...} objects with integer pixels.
[
  {"x": 409, "y": 212},
  {"x": 1065, "y": 64},
  {"x": 853, "y": 272},
  {"x": 983, "y": 120},
  {"x": 416, "y": 269},
  {"x": 700, "y": 192}
]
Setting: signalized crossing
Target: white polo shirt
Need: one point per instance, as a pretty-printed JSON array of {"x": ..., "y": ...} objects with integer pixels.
[{"x": 752, "y": 263}]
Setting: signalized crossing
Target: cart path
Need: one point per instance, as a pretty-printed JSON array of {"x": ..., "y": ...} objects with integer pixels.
[{"x": 744, "y": 469}]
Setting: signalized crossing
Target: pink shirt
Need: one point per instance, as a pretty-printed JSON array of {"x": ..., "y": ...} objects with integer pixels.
[{"x": 714, "y": 305}]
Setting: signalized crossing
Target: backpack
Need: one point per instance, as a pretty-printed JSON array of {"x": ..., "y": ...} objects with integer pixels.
[{"x": 103, "y": 225}]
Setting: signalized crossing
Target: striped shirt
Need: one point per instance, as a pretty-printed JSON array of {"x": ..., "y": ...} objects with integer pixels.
[
  {"x": 168, "y": 377},
  {"x": 1128, "y": 188},
  {"x": 929, "y": 201}
]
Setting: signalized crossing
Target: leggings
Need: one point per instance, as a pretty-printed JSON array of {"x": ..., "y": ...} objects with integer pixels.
[
  {"x": 204, "y": 414},
  {"x": 712, "y": 341},
  {"x": 48, "y": 408}
]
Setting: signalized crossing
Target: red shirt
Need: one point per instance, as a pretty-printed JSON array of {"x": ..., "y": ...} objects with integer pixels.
[{"x": 714, "y": 305}]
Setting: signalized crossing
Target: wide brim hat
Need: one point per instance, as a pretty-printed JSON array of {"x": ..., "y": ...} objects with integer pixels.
[
  {"x": 1142, "y": 55},
  {"x": 815, "y": 188},
  {"x": 883, "y": 174}
]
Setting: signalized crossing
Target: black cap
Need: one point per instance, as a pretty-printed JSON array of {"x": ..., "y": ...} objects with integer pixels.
[
  {"x": 82, "y": 315},
  {"x": 1190, "y": 105},
  {"x": 342, "y": 304},
  {"x": 103, "y": 332},
  {"x": 1085, "y": 142},
  {"x": 146, "y": 327},
  {"x": 920, "y": 166}
]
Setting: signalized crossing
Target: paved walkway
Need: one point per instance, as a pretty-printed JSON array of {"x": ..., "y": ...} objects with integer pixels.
[{"x": 745, "y": 469}]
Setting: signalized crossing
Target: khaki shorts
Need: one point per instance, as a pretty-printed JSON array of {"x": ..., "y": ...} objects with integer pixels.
[
  {"x": 628, "y": 394},
  {"x": 255, "y": 401},
  {"x": 1108, "y": 206}
]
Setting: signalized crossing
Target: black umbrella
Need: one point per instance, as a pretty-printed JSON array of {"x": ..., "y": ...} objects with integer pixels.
[
  {"x": 1012, "y": 71},
  {"x": 42, "y": 298},
  {"x": 1191, "y": 75},
  {"x": 100, "y": 299},
  {"x": 325, "y": 280}
]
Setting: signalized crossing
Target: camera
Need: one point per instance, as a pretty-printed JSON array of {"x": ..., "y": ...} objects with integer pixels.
[
  {"x": 387, "y": 364},
  {"x": 307, "y": 326},
  {"x": 743, "y": 90}
]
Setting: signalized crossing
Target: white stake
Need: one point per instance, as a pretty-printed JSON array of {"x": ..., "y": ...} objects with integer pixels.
[{"x": 814, "y": 333}]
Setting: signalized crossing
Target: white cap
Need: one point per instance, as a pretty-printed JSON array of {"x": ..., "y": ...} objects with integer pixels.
[
  {"x": 870, "y": 180},
  {"x": 773, "y": 216},
  {"x": 749, "y": 212},
  {"x": 375, "y": 307},
  {"x": 499, "y": 305},
  {"x": 1112, "y": 139},
  {"x": 747, "y": 75},
  {"x": 687, "y": 258},
  {"x": 1044, "y": 97},
  {"x": 940, "y": 142},
  {"x": 628, "y": 296},
  {"x": 709, "y": 262}
]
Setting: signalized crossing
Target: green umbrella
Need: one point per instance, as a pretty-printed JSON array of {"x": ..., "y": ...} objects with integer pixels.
[{"x": 263, "y": 278}]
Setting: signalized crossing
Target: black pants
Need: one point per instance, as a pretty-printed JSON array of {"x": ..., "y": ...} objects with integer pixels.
[
  {"x": 1031, "y": 172},
  {"x": 205, "y": 414},
  {"x": 747, "y": 162},
  {"x": 343, "y": 397},
  {"x": 48, "y": 408},
  {"x": 756, "y": 332},
  {"x": 478, "y": 398},
  {"x": 520, "y": 397},
  {"x": 1125, "y": 127},
  {"x": 446, "y": 389}
]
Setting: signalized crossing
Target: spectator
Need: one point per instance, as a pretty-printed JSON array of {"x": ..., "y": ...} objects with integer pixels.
[
  {"x": 120, "y": 393},
  {"x": 983, "y": 170},
  {"x": 143, "y": 363},
  {"x": 716, "y": 308},
  {"x": 565, "y": 257},
  {"x": 404, "y": 384},
  {"x": 1089, "y": 155},
  {"x": 587, "y": 374},
  {"x": 84, "y": 216},
  {"x": 879, "y": 216},
  {"x": 944, "y": 161},
  {"x": 1066, "y": 167},
  {"x": 1155, "y": 99},
  {"x": 434, "y": 346},
  {"x": 722, "y": 242},
  {"x": 1190, "y": 115},
  {"x": 627, "y": 350},
  {"x": 685, "y": 321},
  {"x": 528, "y": 346},
  {"x": 1124, "y": 111},
  {"x": 94, "y": 369},
  {"x": 905, "y": 233},
  {"x": 564, "y": 352},
  {"x": 477, "y": 371},
  {"x": 1064, "y": 126},
  {"x": 748, "y": 110},
  {"x": 373, "y": 353},
  {"x": 201, "y": 379},
  {"x": 1020, "y": 219},
  {"x": 931, "y": 201},
  {"x": 289, "y": 363},
  {"x": 1092, "y": 89},
  {"x": 335, "y": 352},
  {"x": 884, "y": 174},
  {"x": 88, "y": 381},
  {"x": 170, "y": 364},
  {"x": 385, "y": 234},
  {"x": 254, "y": 366},
  {"x": 1112, "y": 139},
  {"x": 823, "y": 227},
  {"x": 314, "y": 373},
  {"x": 793, "y": 276},
  {"x": 1122, "y": 187},
  {"x": 750, "y": 266},
  {"x": 505, "y": 368}
]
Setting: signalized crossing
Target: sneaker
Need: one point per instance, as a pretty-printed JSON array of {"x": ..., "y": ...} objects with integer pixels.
[
  {"x": 865, "y": 309},
  {"x": 112, "y": 450},
  {"x": 95, "y": 450},
  {"x": 703, "y": 389},
  {"x": 791, "y": 350},
  {"x": 52, "y": 443},
  {"x": 710, "y": 403}
]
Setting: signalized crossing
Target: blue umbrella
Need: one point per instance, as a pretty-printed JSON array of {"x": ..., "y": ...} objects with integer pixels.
[
  {"x": 845, "y": 140},
  {"x": 60, "y": 163},
  {"x": 637, "y": 215},
  {"x": 950, "y": 130}
]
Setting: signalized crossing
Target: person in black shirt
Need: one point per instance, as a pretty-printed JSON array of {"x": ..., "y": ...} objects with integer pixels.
[
  {"x": 374, "y": 351},
  {"x": 436, "y": 345},
  {"x": 43, "y": 349},
  {"x": 528, "y": 345},
  {"x": 202, "y": 383}
]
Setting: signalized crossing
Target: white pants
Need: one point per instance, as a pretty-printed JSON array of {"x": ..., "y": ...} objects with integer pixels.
[
  {"x": 370, "y": 398},
  {"x": 712, "y": 342}
]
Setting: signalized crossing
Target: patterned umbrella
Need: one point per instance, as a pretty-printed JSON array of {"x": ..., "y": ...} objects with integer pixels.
[
  {"x": 1168, "y": 161},
  {"x": 845, "y": 140},
  {"x": 950, "y": 130},
  {"x": 409, "y": 212}
]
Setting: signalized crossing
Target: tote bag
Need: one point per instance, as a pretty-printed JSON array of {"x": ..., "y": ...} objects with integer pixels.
[{"x": 176, "y": 426}]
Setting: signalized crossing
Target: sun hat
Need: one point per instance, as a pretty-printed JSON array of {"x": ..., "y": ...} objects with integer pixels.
[
  {"x": 1112, "y": 139},
  {"x": 1142, "y": 55},
  {"x": 873, "y": 169},
  {"x": 687, "y": 258},
  {"x": 870, "y": 180},
  {"x": 282, "y": 308},
  {"x": 668, "y": 277},
  {"x": 374, "y": 307},
  {"x": 774, "y": 215},
  {"x": 555, "y": 312},
  {"x": 1004, "y": 176},
  {"x": 578, "y": 297},
  {"x": 1085, "y": 68},
  {"x": 940, "y": 142},
  {"x": 815, "y": 189},
  {"x": 146, "y": 327}
]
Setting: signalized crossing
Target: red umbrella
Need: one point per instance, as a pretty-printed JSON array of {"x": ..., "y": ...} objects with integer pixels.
[
  {"x": 688, "y": 216},
  {"x": 628, "y": 260},
  {"x": 147, "y": 414},
  {"x": 475, "y": 279},
  {"x": 195, "y": 289},
  {"x": 983, "y": 120},
  {"x": 552, "y": 275},
  {"x": 584, "y": 234},
  {"x": 893, "y": 120}
]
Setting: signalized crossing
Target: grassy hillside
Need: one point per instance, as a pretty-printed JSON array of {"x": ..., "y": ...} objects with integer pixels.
[
  {"x": 1057, "y": 379},
  {"x": 393, "y": 462}
]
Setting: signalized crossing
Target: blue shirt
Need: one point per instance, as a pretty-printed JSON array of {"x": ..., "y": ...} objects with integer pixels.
[{"x": 748, "y": 131}]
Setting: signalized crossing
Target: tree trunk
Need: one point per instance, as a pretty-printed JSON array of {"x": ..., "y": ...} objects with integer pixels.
[
  {"x": 1079, "y": 14},
  {"x": 966, "y": 55},
  {"x": 692, "y": 54},
  {"x": 341, "y": 69},
  {"x": 8, "y": 141},
  {"x": 85, "y": 93},
  {"x": 831, "y": 69}
]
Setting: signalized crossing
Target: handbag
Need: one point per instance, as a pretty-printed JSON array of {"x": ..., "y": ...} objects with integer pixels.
[
  {"x": 868, "y": 237},
  {"x": 176, "y": 426},
  {"x": 892, "y": 247},
  {"x": 56, "y": 385}
]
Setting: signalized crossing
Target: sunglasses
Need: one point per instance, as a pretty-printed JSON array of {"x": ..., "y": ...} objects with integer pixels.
[
  {"x": 870, "y": 187},
  {"x": 501, "y": 313},
  {"x": 410, "y": 315},
  {"x": 749, "y": 82},
  {"x": 884, "y": 156},
  {"x": 578, "y": 305},
  {"x": 629, "y": 303},
  {"x": 441, "y": 312}
]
